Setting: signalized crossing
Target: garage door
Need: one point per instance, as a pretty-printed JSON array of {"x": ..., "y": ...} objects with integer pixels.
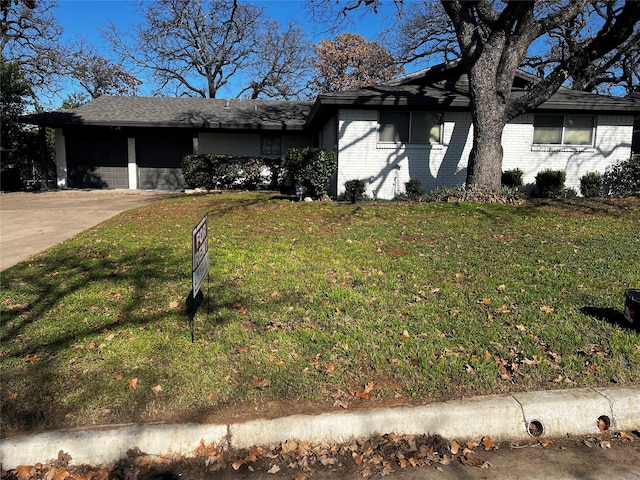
[
  {"x": 159, "y": 160},
  {"x": 96, "y": 160}
]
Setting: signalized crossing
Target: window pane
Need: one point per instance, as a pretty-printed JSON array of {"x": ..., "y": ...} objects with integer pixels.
[
  {"x": 578, "y": 130},
  {"x": 394, "y": 127},
  {"x": 271, "y": 145},
  {"x": 547, "y": 129},
  {"x": 425, "y": 127}
]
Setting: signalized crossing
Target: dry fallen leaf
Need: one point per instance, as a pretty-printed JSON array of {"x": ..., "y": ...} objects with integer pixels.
[
  {"x": 330, "y": 367},
  {"x": 405, "y": 334},
  {"x": 626, "y": 436},
  {"x": 454, "y": 447},
  {"x": 546, "y": 309},
  {"x": 487, "y": 443},
  {"x": 274, "y": 469},
  {"x": 133, "y": 383},
  {"x": 545, "y": 442},
  {"x": 23, "y": 471},
  {"x": 157, "y": 388},
  {"x": 258, "y": 383},
  {"x": 471, "y": 461}
]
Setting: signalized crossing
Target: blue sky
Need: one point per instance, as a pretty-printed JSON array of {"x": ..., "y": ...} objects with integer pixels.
[{"x": 85, "y": 17}]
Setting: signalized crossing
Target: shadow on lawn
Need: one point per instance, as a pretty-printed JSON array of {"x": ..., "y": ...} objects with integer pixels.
[
  {"x": 44, "y": 365},
  {"x": 611, "y": 315}
]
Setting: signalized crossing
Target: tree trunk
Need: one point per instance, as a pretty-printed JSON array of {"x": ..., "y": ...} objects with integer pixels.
[
  {"x": 484, "y": 168},
  {"x": 488, "y": 113}
]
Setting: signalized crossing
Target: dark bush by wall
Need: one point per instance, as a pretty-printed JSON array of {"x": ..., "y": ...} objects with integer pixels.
[
  {"x": 310, "y": 168},
  {"x": 591, "y": 184},
  {"x": 224, "y": 171},
  {"x": 623, "y": 178},
  {"x": 414, "y": 189},
  {"x": 550, "y": 183},
  {"x": 512, "y": 178},
  {"x": 354, "y": 190}
]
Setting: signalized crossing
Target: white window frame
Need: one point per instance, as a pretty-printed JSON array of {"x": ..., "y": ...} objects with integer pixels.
[
  {"x": 410, "y": 141},
  {"x": 563, "y": 134}
]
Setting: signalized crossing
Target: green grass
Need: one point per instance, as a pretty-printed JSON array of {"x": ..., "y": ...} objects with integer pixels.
[{"x": 317, "y": 306}]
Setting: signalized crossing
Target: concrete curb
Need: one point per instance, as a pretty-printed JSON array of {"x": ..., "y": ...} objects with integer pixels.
[{"x": 503, "y": 417}]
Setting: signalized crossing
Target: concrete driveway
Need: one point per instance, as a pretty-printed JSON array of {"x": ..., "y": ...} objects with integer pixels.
[{"x": 33, "y": 222}]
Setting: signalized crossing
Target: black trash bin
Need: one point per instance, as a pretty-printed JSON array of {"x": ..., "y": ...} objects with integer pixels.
[{"x": 632, "y": 306}]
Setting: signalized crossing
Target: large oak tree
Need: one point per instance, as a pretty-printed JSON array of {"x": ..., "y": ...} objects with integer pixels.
[{"x": 494, "y": 38}]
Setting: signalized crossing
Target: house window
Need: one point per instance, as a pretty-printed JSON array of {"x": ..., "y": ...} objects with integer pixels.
[
  {"x": 563, "y": 129},
  {"x": 270, "y": 145},
  {"x": 410, "y": 127}
]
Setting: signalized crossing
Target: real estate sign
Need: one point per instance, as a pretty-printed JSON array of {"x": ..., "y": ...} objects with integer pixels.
[{"x": 200, "y": 249}]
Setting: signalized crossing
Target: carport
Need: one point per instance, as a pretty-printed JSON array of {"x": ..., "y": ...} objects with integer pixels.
[{"x": 139, "y": 142}]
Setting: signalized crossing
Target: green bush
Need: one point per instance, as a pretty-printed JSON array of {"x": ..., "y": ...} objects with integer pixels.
[
  {"x": 223, "y": 171},
  {"x": 512, "y": 178},
  {"x": 623, "y": 178},
  {"x": 550, "y": 183},
  {"x": 354, "y": 190},
  {"x": 591, "y": 184},
  {"x": 414, "y": 189},
  {"x": 198, "y": 171},
  {"x": 310, "y": 168}
]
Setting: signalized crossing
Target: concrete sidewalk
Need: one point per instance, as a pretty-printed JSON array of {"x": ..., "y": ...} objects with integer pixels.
[{"x": 547, "y": 414}]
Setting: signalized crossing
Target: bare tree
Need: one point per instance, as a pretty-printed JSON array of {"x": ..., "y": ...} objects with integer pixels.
[
  {"x": 197, "y": 47},
  {"x": 281, "y": 67},
  {"x": 350, "y": 61},
  {"x": 493, "y": 40},
  {"x": 618, "y": 69},
  {"x": 30, "y": 37},
  {"x": 96, "y": 75}
]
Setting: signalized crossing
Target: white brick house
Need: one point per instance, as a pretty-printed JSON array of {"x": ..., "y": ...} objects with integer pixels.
[
  {"x": 419, "y": 127},
  {"x": 414, "y": 127}
]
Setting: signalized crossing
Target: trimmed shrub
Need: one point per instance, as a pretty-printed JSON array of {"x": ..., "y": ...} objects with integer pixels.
[
  {"x": 223, "y": 171},
  {"x": 354, "y": 190},
  {"x": 197, "y": 171},
  {"x": 550, "y": 183},
  {"x": 310, "y": 168},
  {"x": 591, "y": 184},
  {"x": 414, "y": 189},
  {"x": 623, "y": 178},
  {"x": 512, "y": 178}
]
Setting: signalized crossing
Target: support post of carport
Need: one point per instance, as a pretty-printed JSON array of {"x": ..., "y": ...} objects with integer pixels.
[
  {"x": 61, "y": 159},
  {"x": 132, "y": 165}
]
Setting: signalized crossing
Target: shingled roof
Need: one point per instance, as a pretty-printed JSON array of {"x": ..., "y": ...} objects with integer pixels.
[
  {"x": 446, "y": 87},
  {"x": 205, "y": 113}
]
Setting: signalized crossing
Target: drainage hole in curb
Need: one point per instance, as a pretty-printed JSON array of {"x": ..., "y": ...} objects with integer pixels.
[
  {"x": 604, "y": 423},
  {"x": 535, "y": 428}
]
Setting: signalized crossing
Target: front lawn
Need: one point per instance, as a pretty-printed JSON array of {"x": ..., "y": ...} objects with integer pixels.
[{"x": 317, "y": 306}]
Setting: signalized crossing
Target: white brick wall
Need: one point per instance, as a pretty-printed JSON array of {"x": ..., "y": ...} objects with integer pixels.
[
  {"x": 612, "y": 144},
  {"x": 386, "y": 168}
]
